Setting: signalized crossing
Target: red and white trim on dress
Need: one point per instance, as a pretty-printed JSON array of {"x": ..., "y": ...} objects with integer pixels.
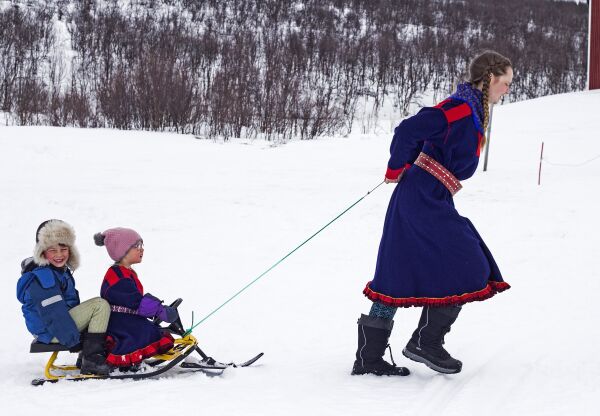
[
  {"x": 123, "y": 309},
  {"x": 442, "y": 174},
  {"x": 455, "y": 113},
  {"x": 487, "y": 292},
  {"x": 479, "y": 140},
  {"x": 159, "y": 347},
  {"x": 394, "y": 174}
]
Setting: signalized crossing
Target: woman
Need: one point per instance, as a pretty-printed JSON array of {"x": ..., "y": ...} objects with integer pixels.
[{"x": 429, "y": 255}]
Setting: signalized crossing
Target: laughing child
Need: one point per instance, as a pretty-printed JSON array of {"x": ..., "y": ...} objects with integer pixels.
[{"x": 51, "y": 306}]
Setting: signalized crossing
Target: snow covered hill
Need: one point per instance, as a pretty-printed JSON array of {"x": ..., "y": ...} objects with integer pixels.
[{"x": 214, "y": 216}]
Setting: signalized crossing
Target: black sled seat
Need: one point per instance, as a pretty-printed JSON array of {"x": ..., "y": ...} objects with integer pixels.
[
  {"x": 37, "y": 347},
  {"x": 41, "y": 347}
]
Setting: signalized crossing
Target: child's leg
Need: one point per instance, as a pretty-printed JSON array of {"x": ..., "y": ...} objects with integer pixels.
[{"x": 92, "y": 314}]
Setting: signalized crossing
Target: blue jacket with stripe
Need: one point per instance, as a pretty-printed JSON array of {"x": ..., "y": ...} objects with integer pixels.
[{"x": 47, "y": 293}]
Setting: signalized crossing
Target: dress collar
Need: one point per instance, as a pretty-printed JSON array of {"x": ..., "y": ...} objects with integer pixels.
[{"x": 474, "y": 98}]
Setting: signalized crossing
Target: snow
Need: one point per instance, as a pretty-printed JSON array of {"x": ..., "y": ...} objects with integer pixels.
[{"x": 215, "y": 215}]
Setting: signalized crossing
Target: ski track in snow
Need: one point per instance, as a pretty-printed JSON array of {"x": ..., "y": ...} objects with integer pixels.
[{"x": 214, "y": 216}]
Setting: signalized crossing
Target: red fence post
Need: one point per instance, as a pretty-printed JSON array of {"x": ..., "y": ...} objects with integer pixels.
[
  {"x": 594, "y": 45},
  {"x": 540, "y": 170}
]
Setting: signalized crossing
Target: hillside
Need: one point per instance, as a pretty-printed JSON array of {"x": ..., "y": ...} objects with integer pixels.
[{"x": 269, "y": 69}]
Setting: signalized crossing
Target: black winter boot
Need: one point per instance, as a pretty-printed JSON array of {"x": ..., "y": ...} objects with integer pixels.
[
  {"x": 79, "y": 360},
  {"x": 425, "y": 346},
  {"x": 373, "y": 335},
  {"x": 94, "y": 358}
]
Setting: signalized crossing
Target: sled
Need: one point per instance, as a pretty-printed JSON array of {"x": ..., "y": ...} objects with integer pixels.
[{"x": 151, "y": 367}]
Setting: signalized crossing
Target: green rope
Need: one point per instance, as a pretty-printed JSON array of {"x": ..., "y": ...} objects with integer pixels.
[{"x": 189, "y": 331}]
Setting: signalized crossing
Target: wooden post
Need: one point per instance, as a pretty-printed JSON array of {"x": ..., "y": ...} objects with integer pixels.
[
  {"x": 488, "y": 137},
  {"x": 594, "y": 45},
  {"x": 540, "y": 170}
]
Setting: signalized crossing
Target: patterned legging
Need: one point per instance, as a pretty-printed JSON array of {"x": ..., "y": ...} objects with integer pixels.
[{"x": 379, "y": 310}]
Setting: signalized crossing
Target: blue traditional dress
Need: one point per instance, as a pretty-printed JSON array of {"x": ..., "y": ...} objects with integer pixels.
[
  {"x": 130, "y": 337},
  {"x": 429, "y": 255}
]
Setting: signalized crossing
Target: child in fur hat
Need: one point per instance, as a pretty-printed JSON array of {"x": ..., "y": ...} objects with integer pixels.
[
  {"x": 51, "y": 306},
  {"x": 131, "y": 336}
]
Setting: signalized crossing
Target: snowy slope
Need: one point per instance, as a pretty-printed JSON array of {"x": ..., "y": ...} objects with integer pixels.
[{"x": 214, "y": 216}]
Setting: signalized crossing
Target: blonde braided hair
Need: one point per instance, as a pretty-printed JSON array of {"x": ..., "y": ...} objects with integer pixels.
[
  {"x": 481, "y": 69},
  {"x": 485, "y": 89}
]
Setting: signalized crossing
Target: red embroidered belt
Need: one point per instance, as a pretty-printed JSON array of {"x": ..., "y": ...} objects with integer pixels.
[{"x": 442, "y": 174}]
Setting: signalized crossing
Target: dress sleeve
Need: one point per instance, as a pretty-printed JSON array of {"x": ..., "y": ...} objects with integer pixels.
[{"x": 428, "y": 124}]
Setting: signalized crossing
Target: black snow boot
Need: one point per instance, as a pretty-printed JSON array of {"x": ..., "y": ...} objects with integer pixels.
[
  {"x": 373, "y": 335},
  {"x": 94, "y": 358},
  {"x": 79, "y": 360},
  {"x": 425, "y": 346}
]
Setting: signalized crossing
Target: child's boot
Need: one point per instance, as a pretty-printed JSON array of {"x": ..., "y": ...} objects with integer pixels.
[
  {"x": 373, "y": 335},
  {"x": 94, "y": 358},
  {"x": 425, "y": 345},
  {"x": 79, "y": 360}
]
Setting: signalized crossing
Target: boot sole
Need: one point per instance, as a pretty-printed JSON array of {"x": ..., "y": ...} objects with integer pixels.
[
  {"x": 94, "y": 373},
  {"x": 428, "y": 363},
  {"x": 404, "y": 372}
]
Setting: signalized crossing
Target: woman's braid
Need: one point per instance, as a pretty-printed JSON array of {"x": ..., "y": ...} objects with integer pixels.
[
  {"x": 481, "y": 69},
  {"x": 486, "y": 105}
]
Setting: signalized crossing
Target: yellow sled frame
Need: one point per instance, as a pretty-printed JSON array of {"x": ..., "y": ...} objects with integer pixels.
[{"x": 181, "y": 345}]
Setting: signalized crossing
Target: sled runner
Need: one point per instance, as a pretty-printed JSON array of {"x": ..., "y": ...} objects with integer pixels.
[{"x": 158, "y": 364}]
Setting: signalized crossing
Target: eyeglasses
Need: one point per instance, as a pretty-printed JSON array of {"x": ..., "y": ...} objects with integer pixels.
[{"x": 139, "y": 245}]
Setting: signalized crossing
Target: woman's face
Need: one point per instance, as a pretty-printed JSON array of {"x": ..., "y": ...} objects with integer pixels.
[{"x": 500, "y": 86}]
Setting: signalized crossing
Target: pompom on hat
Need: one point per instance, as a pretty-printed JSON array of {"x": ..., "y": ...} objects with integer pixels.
[
  {"x": 118, "y": 241},
  {"x": 52, "y": 233}
]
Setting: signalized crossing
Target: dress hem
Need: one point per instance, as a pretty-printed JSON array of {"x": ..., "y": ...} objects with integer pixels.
[
  {"x": 164, "y": 344},
  {"x": 487, "y": 292}
]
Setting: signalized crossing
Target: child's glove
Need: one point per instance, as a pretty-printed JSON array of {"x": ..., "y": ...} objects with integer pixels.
[
  {"x": 151, "y": 306},
  {"x": 168, "y": 314}
]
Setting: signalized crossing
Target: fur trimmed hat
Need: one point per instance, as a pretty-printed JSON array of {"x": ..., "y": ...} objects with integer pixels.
[
  {"x": 52, "y": 233},
  {"x": 118, "y": 241}
]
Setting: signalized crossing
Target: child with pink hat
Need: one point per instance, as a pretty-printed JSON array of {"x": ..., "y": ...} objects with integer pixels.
[{"x": 131, "y": 336}]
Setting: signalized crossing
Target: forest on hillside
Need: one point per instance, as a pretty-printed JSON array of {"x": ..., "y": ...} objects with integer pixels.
[{"x": 277, "y": 69}]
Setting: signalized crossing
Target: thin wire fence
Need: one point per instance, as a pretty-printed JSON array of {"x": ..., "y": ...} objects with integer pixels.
[{"x": 570, "y": 165}]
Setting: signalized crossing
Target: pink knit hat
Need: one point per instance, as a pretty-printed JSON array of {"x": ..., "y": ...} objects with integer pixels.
[{"x": 118, "y": 241}]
